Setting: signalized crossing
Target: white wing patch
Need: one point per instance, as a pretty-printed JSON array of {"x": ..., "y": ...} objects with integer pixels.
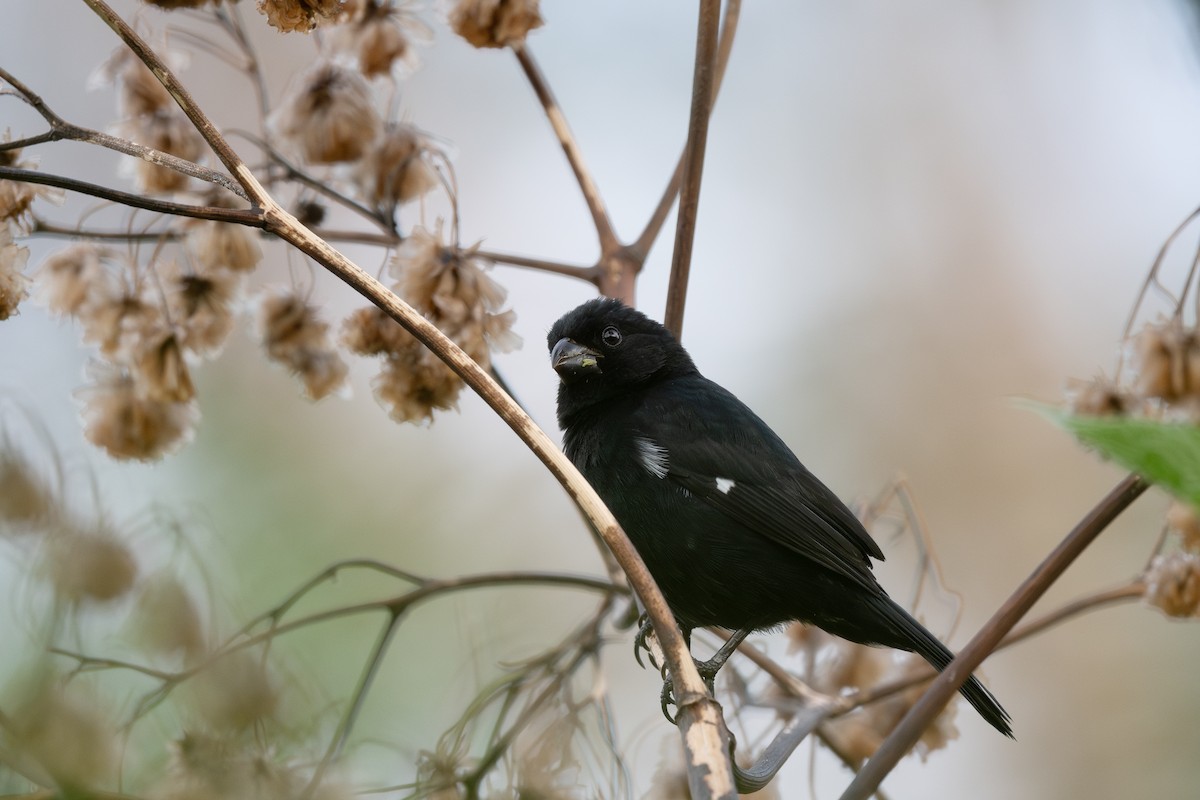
[
  {"x": 652, "y": 456},
  {"x": 724, "y": 485}
]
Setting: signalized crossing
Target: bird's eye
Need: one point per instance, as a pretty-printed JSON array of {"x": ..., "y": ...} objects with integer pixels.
[{"x": 611, "y": 336}]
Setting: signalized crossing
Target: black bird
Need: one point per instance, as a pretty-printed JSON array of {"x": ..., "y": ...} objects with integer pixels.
[{"x": 734, "y": 529}]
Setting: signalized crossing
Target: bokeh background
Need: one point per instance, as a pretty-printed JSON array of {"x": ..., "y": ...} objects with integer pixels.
[{"x": 912, "y": 215}]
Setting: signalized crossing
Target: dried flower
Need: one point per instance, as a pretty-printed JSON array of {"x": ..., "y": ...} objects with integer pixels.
[
  {"x": 121, "y": 419},
  {"x": 162, "y": 373},
  {"x": 299, "y": 15},
  {"x": 89, "y": 566},
  {"x": 225, "y": 245},
  {"x": 1099, "y": 397},
  {"x": 66, "y": 734},
  {"x": 1173, "y": 584},
  {"x": 167, "y": 619},
  {"x": 26, "y": 500},
  {"x": 14, "y": 285},
  {"x": 413, "y": 383},
  {"x": 450, "y": 286},
  {"x": 121, "y": 322},
  {"x": 328, "y": 115},
  {"x": 169, "y": 131},
  {"x": 495, "y": 23},
  {"x": 380, "y": 35},
  {"x": 234, "y": 692},
  {"x": 1182, "y": 519},
  {"x": 310, "y": 213},
  {"x": 138, "y": 91},
  {"x": 295, "y": 337},
  {"x": 70, "y": 277},
  {"x": 201, "y": 307},
  {"x": 397, "y": 169}
]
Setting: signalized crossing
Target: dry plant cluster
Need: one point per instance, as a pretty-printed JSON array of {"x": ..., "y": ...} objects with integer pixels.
[{"x": 158, "y": 295}]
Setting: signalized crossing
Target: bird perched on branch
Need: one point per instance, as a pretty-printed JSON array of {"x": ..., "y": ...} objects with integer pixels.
[{"x": 734, "y": 529}]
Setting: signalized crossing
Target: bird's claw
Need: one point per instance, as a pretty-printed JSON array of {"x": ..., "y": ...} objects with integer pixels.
[
  {"x": 708, "y": 673},
  {"x": 645, "y": 629}
]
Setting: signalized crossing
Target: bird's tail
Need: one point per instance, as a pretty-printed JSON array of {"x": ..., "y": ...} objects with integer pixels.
[{"x": 920, "y": 641}]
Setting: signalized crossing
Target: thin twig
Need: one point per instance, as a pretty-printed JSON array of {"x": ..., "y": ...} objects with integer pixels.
[
  {"x": 249, "y": 217},
  {"x": 703, "y": 81},
  {"x": 945, "y": 685}
]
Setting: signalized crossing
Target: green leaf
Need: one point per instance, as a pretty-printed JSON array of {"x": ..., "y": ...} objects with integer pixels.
[{"x": 1166, "y": 454}]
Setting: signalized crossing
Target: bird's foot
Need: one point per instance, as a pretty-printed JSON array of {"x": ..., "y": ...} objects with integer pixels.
[
  {"x": 708, "y": 670},
  {"x": 640, "y": 643}
]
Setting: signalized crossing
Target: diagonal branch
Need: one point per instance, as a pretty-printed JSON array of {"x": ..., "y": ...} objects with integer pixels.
[
  {"x": 689, "y": 201},
  {"x": 591, "y": 193},
  {"x": 990, "y": 635}
]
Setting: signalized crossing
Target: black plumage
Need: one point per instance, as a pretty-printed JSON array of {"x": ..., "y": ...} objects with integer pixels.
[{"x": 734, "y": 529}]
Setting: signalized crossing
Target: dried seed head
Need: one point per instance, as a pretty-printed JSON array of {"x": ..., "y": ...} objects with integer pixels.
[
  {"x": 328, "y": 115},
  {"x": 1099, "y": 397},
  {"x": 414, "y": 383},
  {"x": 89, "y": 566},
  {"x": 161, "y": 371},
  {"x": 66, "y": 734},
  {"x": 121, "y": 322},
  {"x": 370, "y": 332},
  {"x": 122, "y": 420},
  {"x": 201, "y": 307},
  {"x": 68, "y": 278},
  {"x": 397, "y": 169},
  {"x": 310, "y": 213},
  {"x": 495, "y": 23},
  {"x": 138, "y": 91},
  {"x": 167, "y": 619},
  {"x": 1173, "y": 584},
  {"x": 224, "y": 245},
  {"x": 235, "y": 692},
  {"x": 381, "y": 36},
  {"x": 296, "y": 337},
  {"x": 1182, "y": 519},
  {"x": 299, "y": 15},
  {"x": 171, "y": 132},
  {"x": 14, "y": 285},
  {"x": 26, "y": 500},
  {"x": 1160, "y": 361}
]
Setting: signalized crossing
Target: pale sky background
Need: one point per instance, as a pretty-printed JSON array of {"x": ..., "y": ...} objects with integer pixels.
[{"x": 912, "y": 214}]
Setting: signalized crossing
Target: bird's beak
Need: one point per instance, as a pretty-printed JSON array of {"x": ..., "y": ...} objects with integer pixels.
[{"x": 573, "y": 360}]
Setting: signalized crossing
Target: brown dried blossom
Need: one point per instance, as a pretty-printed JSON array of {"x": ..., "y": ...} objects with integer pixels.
[
  {"x": 495, "y": 23},
  {"x": 121, "y": 419},
  {"x": 328, "y": 115},
  {"x": 299, "y": 15},
  {"x": 397, "y": 168},
  {"x": 1173, "y": 584},
  {"x": 26, "y": 499},
  {"x": 89, "y": 565},
  {"x": 171, "y": 132},
  {"x": 1099, "y": 397},
  {"x": 65, "y": 733},
  {"x": 201, "y": 307},
  {"x": 167, "y": 620},
  {"x": 381, "y": 35},
  {"x": 1183, "y": 520},
  {"x": 224, "y": 245},
  {"x": 235, "y": 692},
  {"x": 14, "y": 284},
  {"x": 205, "y": 767},
  {"x": 161, "y": 371},
  {"x": 69, "y": 278},
  {"x": 1166, "y": 361},
  {"x": 296, "y": 337},
  {"x": 119, "y": 321}
]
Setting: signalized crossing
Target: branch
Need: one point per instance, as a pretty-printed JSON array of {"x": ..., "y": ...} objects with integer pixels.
[
  {"x": 658, "y": 218},
  {"x": 591, "y": 193},
  {"x": 249, "y": 217},
  {"x": 945, "y": 685},
  {"x": 60, "y": 130}
]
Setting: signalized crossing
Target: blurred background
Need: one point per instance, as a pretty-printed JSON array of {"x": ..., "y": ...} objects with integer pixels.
[{"x": 912, "y": 215}]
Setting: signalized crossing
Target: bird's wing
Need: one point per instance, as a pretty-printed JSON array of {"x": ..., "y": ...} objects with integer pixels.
[{"x": 724, "y": 454}]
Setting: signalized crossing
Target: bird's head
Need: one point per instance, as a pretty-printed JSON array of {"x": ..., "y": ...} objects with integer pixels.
[{"x": 604, "y": 348}]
